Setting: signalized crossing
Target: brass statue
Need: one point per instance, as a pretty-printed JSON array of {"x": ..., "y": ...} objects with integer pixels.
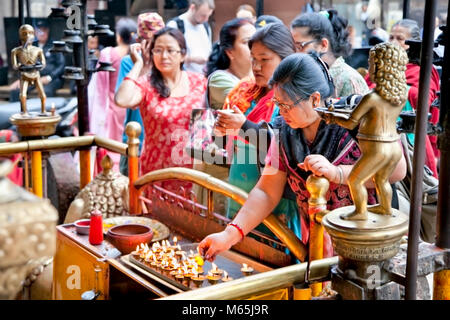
[
  {"x": 29, "y": 60},
  {"x": 376, "y": 115}
]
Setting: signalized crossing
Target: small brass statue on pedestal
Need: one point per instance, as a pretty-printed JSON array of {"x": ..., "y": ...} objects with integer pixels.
[
  {"x": 376, "y": 115},
  {"x": 366, "y": 237},
  {"x": 29, "y": 60}
]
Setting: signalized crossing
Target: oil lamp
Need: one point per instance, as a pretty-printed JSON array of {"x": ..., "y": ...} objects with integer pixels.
[
  {"x": 212, "y": 278},
  {"x": 226, "y": 277},
  {"x": 197, "y": 279},
  {"x": 246, "y": 270},
  {"x": 216, "y": 271}
]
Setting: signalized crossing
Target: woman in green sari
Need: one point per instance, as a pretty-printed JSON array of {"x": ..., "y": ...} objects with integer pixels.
[{"x": 251, "y": 101}]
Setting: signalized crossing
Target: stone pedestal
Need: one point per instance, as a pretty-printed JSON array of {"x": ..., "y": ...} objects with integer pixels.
[{"x": 364, "y": 247}]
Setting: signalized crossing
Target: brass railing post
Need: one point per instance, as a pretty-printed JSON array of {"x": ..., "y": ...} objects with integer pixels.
[
  {"x": 317, "y": 204},
  {"x": 85, "y": 167}
]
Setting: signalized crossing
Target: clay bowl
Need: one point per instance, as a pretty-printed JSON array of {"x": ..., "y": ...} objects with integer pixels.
[
  {"x": 82, "y": 226},
  {"x": 126, "y": 237}
]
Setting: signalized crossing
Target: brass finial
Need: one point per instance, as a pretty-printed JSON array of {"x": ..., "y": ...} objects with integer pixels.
[
  {"x": 133, "y": 130},
  {"x": 317, "y": 188},
  {"x": 107, "y": 164}
]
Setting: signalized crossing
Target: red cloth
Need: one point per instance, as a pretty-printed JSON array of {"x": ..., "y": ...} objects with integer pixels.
[
  {"x": 412, "y": 79},
  {"x": 412, "y": 74},
  {"x": 16, "y": 175},
  {"x": 263, "y": 110}
]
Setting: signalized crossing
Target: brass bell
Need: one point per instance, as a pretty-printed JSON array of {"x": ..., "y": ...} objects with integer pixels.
[
  {"x": 102, "y": 29},
  {"x": 69, "y": 3},
  {"x": 58, "y": 13},
  {"x": 73, "y": 73},
  {"x": 91, "y": 21},
  {"x": 72, "y": 36},
  {"x": 60, "y": 46},
  {"x": 105, "y": 66}
]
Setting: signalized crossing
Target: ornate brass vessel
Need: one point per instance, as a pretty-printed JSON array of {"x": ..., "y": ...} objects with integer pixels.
[{"x": 27, "y": 234}]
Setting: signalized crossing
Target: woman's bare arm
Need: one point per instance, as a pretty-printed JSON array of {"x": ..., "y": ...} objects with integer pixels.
[
  {"x": 261, "y": 201},
  {"x": 129, "y": 94}
]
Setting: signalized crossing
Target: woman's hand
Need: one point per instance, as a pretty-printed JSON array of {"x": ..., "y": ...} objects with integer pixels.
[
  {"x": 229, "y": 123},
  {"x": 320, "y": 166},
  {"x": 216, "y": 243},
  {"x": 136, "y": 53},
  {"x": 145, "y": 52}
]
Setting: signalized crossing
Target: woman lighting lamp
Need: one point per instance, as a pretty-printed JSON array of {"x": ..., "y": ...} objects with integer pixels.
[{"x": 307, "y": 146}]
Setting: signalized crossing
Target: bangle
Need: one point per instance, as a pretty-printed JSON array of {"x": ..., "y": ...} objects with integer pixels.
[
  {"x": 134, "y": 81},
  {"x": 239, "y": 229},
  {"x": 341, "y": 175}
]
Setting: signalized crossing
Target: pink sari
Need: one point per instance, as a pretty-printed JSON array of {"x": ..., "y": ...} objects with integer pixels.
[{"x": 105, "y": 118}]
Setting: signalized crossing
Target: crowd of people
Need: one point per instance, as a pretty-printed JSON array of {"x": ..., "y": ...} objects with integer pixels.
[{"x": 259, "y": 76}]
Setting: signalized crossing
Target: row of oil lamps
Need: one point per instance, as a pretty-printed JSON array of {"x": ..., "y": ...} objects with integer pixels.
[{"x": 180, "y": 265}]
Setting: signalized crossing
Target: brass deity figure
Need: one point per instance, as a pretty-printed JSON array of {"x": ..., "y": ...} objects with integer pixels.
[
  {"x": 29, "y": 60},
  {"x": 377, "y": 135}
]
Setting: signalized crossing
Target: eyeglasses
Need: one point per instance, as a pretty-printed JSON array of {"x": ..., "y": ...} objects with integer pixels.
[
  {"x": 160, "y": 51},
  {"x": 285, "y": 106},
  {"x": 303, "y": 44}
]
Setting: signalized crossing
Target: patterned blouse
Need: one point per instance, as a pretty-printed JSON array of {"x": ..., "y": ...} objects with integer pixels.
[
  {"x": 347, "y": 80},
  {"x": 166, "y": 125},
  {"x": 333, "y": 142}
]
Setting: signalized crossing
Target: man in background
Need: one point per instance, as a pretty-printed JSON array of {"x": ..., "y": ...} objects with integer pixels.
[{"x": 197, "y": 32}]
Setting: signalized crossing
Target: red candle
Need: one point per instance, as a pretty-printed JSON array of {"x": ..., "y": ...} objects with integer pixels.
[{"x": 96, "y": 228}]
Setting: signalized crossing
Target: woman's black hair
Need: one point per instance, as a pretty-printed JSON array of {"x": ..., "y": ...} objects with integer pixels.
[
  {"x": 126, "y": 28},
  {"x": 301, "y": 74},
  {"x": 266, "y": 19},
  {"x": 218, "y": 59},
  {"x": 326, "y": 24},
  {"x": 276, "y": 37},
  {"x": 156, "y": 78}
]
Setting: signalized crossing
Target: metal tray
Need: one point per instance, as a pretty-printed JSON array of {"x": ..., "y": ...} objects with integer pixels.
[{"x": 229, "y": 261}]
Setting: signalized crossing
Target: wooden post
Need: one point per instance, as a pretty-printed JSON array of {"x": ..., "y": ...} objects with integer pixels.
[
  {"x": 133, "y": 130},
  {"x": 36, "y": 172}
]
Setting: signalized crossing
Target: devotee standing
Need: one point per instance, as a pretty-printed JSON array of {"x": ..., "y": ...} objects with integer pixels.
[
  {"x": 165, "y": 98},
  {"x": 148, "y": 24}
]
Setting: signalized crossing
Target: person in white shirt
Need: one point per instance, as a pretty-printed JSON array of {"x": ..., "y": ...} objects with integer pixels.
[{"x": 197, "y": 32}]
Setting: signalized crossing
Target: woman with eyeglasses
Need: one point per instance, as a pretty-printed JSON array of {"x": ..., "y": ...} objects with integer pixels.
[
  {"x": 305, "y": 145},
  {"x": 251, "y": 102},
  {"x": 165, "y": 99},
  {"x": 326, "y": 33}
]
